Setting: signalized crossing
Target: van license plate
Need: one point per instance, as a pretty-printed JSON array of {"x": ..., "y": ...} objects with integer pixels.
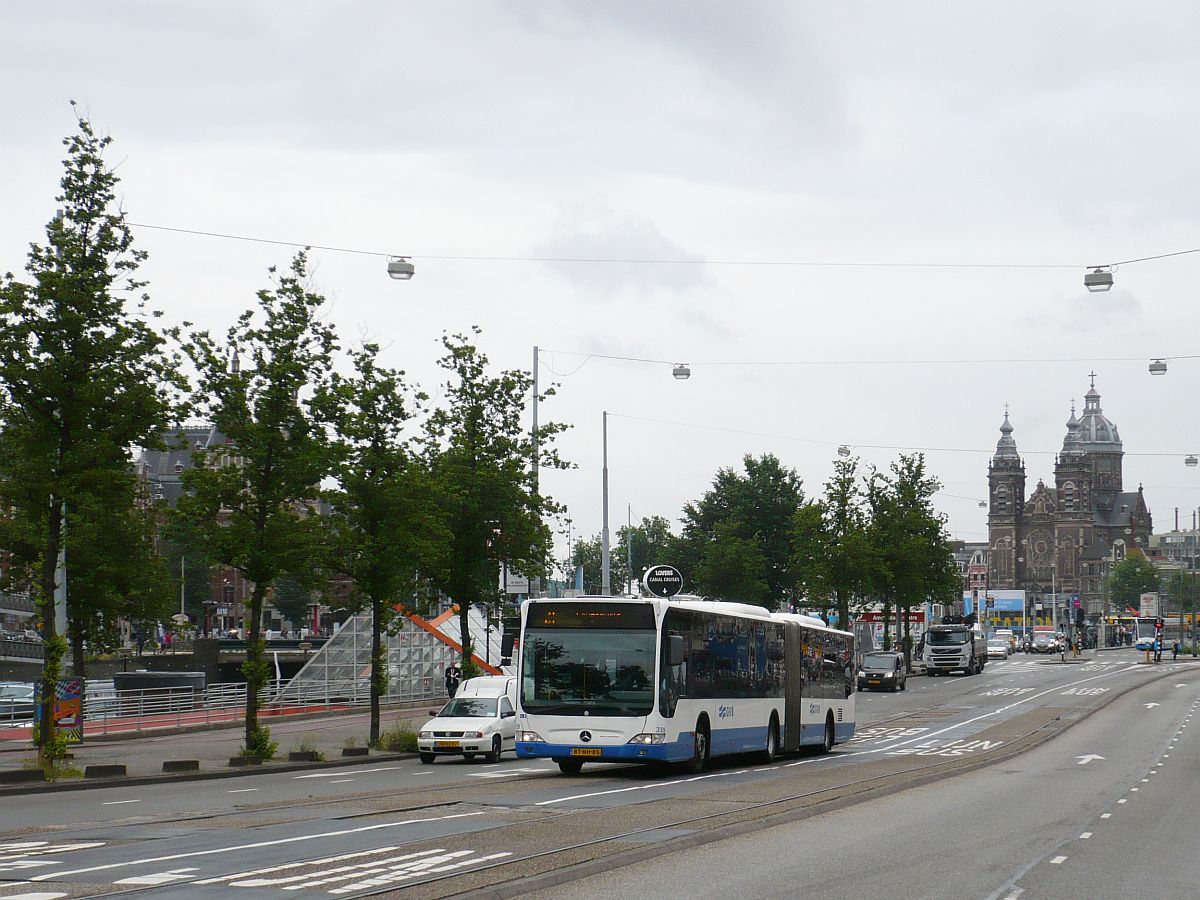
[
  {"x": 586, "y": 751},
  {"x": 445, "y": 744}
]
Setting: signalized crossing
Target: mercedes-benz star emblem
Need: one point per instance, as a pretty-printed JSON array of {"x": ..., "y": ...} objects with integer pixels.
[{"x": 585, "y": 736}]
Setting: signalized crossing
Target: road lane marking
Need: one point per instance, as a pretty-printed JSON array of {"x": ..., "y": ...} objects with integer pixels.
[
  {"x": 119, "y": 802},
  {"x": 341, "y": 781},
  {"x": 240, "y": 881},
  {"x": 254, "y": 846},
  {"x": 640, "y": 787},
  {"x": 37, "y": 895},
  {"x": 1105, "y": 815},
  {"x": 1122, "y": 800},
  {"x": 1057, "y": 860},
  {"x": 160, "y": 877},
  {"x": 1085, "y": 835},
  {"x": 244, "y": 791},
  {"x": 302, "y": 864},
  {"x": 355, "y": 772}
]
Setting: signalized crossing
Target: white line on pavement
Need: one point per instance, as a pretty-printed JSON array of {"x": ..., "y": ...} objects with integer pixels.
[
  {"x": 1057, "y": 860},
  {"x": 292, "y": 840},
  {"x": 244, "y": 791},
  {"x": 119, "y": 802},
  {"x": 355, "y": 772}
]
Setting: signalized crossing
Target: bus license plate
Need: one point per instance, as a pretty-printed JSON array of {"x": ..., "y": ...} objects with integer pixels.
[
  {"x": 446, "y": 744},
  {"x": 586, "y": 751}
]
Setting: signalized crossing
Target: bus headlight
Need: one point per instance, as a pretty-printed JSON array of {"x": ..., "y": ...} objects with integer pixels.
[
  {"x": 530, "y": 737},
  {"x": 647, "y": 739}
]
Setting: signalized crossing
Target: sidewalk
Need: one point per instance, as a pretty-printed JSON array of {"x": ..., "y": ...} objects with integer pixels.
[{"x": 143, "y": 755}]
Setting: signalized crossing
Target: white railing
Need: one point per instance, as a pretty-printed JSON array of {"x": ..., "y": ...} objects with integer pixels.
[{"x": 107, "y": 710}]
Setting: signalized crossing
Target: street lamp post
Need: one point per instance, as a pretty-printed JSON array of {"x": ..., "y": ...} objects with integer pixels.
[{"x": 605, "y": 562}]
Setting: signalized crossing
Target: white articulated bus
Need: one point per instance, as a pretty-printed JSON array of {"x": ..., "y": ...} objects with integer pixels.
[{"x": 608, "y": 679}]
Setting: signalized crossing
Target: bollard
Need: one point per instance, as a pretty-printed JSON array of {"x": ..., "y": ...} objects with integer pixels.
[
  {"x": 106, "y": 771},
  {"x": 181, "y": 765},
  {"x": 239, "y": 761}
]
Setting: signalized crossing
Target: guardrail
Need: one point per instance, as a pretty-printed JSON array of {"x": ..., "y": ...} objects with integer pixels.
[
  {"x": 107, "y": 711},
  {"x": 21, "y": 649}
]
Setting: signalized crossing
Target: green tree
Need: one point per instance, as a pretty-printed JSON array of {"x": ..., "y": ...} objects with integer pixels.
[
  {"x": 479, "y": 454},
  {"x": 386, "y": 523},
  {"x": 834, "y": 558},
  {"x": 587, "y": 553},
  {"x": 292, "y": 598},
  {"x": 1130, "y": 578},
  {"x": 253, "y": 501},
  {"x": 83, "y": 378},
  {"x": 757, "y": 509},
  {"x": 909, "y": 543}
]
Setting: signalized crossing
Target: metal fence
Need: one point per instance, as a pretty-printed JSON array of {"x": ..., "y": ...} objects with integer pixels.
[{"x": 20, "y": 649}]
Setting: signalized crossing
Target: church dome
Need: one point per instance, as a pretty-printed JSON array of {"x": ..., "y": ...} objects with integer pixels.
[
  {"x": 1006, "y": 447},
  {"x": 1097, "y": 433},
  {"x": 1072, "y": 445}
]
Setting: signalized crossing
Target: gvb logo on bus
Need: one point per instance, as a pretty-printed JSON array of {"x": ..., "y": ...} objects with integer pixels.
[{"x": 662, "y": 581}]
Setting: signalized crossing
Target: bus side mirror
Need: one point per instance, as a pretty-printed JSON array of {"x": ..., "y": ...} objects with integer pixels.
[{"x": 674, "y": 649}]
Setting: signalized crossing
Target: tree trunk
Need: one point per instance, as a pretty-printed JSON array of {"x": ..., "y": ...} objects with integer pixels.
[
  {"x": 887, "y": 620},
  {"x": 464, "y": 626},
  {"x": 378, "y": 668},
  {"x": 907, "y": 644},
  {"x": 255, "y": 667}
]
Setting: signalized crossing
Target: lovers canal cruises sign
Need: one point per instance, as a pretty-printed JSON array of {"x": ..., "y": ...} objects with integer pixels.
[{"x": 663, "y": 581}]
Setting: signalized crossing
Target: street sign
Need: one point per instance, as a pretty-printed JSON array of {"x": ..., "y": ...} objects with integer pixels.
[{"x": 663, "y": 581}]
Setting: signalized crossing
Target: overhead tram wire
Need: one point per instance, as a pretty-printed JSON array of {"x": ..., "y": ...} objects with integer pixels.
[
  {"x": 798, "y": 263},
  {"x": 855, "y": 445},
  {"x": 871, "y": 362}
]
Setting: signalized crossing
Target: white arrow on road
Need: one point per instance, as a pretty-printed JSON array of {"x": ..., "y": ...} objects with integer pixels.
[
  {"x": 1084, "y": 760},
  {"x": 1151, "y": 705},
  {"x": 1181, "y": 685}
]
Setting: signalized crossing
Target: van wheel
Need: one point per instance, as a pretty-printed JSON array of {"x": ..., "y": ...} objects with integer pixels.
[
  {"x": 570, "y": 766},
  {"x": 827, "y": 746},
  {"x": 701, "y": 749},
  {"x": 772, "y": 752},
  {"x": 494, "y": 756}
]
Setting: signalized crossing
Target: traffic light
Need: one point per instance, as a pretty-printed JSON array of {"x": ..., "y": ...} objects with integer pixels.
[{"x": 1079, "y": 616}]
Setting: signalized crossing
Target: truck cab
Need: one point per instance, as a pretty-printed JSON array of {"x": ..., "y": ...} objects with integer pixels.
[{"x": 959, "y": 647}]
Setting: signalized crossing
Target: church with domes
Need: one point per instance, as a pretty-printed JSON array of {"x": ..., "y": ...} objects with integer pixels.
[{"x": 1064, "y": 538}]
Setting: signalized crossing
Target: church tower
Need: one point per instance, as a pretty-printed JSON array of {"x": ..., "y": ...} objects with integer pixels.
[
  {"x": 1102, "y": 444},
  {"x": 1006, "y": 509},
  {"x": 1073, "y": 488}
]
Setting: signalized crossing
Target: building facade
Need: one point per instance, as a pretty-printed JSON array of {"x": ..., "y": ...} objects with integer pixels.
[{"x": 1059, "y": 543}]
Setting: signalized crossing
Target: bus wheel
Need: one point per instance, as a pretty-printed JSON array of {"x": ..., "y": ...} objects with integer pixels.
[
  {"x": 570, "y": 766},
  {"x": 827, "y": 746},
  {"x": 700, "y": 751},
  {"x": 772, "y": 752}
]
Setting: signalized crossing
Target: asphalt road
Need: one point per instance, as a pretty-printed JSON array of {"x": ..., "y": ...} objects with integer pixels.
[{"x": 454, "y": 826}]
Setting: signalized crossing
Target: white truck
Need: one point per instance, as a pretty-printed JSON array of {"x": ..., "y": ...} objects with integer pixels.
[{"x": 950, "y": 648}]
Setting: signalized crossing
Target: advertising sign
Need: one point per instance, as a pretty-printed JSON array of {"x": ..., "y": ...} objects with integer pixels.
[
  {"x": 1149, "y": 605},
  {"x": 68, "y": 708},
  {"x": 998, "y": 602},
  {"x": 663, "y": 581}
]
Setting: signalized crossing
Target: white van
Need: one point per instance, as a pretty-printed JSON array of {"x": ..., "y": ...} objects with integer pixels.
[{"x": 481, "y": 719}]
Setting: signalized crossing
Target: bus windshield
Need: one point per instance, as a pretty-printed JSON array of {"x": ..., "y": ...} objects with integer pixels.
[{"x": 602, "y": 671}]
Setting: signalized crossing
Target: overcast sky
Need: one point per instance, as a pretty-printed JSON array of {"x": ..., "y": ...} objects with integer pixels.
[{"x": 1048, "y": 134}]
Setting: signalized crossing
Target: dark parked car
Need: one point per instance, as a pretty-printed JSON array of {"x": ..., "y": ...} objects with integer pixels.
[
  {"x": 16, "y": 701},
  {"x": 882, "y": 670}
]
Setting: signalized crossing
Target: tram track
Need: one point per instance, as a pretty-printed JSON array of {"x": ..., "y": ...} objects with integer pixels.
[{"x": 715, "y": 825}]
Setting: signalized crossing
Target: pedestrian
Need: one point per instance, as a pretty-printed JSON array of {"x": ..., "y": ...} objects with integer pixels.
[
  {"x": 453, "y": 676},
  {"x": 1175, "y": 651}
]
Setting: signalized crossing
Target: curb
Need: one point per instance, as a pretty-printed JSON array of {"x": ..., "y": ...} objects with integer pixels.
[{"x": 76, "y": 784}]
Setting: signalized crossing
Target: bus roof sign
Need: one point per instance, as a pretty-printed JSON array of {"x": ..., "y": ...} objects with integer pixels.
[{"x": 663, "y": 581}]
